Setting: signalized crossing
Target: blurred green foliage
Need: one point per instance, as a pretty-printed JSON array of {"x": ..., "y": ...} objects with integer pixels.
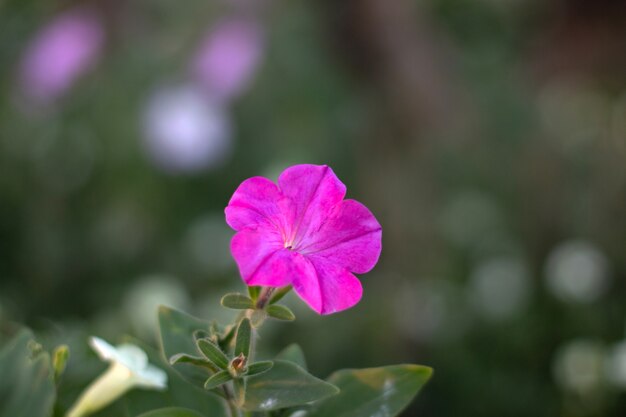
[{"x": 480, "y": 133}]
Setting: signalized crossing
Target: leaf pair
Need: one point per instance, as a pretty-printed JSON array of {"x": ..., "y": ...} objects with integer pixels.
[
  {"x": 238, "y": 301},
  {"x": 235, "y": 367}
]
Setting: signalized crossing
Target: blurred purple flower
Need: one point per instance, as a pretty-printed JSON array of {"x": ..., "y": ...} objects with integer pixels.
[
  {"x": 302, "y": 232},
  {"x": 228, "y": 57},
  {"x": 59, "y": 53},
  {"x": 185, "y": 131}
]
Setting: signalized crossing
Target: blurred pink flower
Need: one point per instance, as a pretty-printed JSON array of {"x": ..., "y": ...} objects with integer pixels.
[
  {"x": 228, "y": 57},
  {"x": 59, "y": 53},
  {"x": 302, "y": 232}
]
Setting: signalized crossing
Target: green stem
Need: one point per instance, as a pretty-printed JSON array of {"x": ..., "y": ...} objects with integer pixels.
[
  {"x": 264, "y": 297},
  {"x": 232, "y": 408}
]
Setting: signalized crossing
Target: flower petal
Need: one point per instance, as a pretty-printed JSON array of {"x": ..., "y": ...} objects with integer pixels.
[
  {"x": 132, "y": 357},
  {"x": 104, "y": 350},
  {"x": 262, "y": 258},
  {"x": 314, "y": 191},
  {"x": 330, "y": 289},
  {"x": 351, "y": 238},
  {"x": 152, "y": 377},
  {"x": 258, "y": 202}
]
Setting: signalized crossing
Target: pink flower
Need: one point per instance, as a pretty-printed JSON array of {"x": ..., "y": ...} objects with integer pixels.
[
  {"x": 302, "y": 232},
  {"x": 62, "y": 51},
  {"x": 228, "y": 57}
]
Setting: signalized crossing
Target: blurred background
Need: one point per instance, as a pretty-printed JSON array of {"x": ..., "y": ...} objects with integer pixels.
[{"x": 488, "y": 137}]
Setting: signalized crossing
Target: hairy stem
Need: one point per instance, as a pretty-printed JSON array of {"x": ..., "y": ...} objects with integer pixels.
[
  {"x": 264, "y": 297},
  {"x": 232, "y": 407}
]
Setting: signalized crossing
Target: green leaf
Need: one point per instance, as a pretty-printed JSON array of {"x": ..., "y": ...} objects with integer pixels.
[
  {"x": 179, "y": 391},
  {"x": 213, "y": 353},
  {"x": 26, "y": 382},
  {"x": 293, "y": 353},
  {"x": 285, "y": 385},
  {"x": 254, "y": 292},
  {"x": 229, "y": 333},
  {"x": 59, "y": 360},
  {"x": 237, "y": 301},
  {"x": 171, "y": 412},
  {"x": 259, "y": 367},
  {"x": 280, "y": 312},
  {"x": 244, "y": 335},
  {"x": 194, "y": 360},
  {"x": 202, "y": 334},
  {"x": 177, "y": 330},
  {"x": 374, "y": 391},
  {"x": 217, "y": 379},
  {"x": 279, "y": 293}
]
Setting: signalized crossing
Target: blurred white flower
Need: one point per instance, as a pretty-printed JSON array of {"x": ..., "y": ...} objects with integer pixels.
[
  {"x": 228, "y": 57},
  {"x": 60, "y": 52},
  {"x": 185, "y": 130},
  {"x": 144, "y": 297},
  {"x": 129, "y": 369},
  {"x": 578, "y": 366},
  {"x": 616, "y": 365},
  {"x": 577, "y": 271},
  {"x": 500, "y": 288}
]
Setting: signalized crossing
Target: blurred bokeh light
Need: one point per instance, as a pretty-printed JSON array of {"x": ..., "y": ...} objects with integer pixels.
[{"x": 488, "y": 137}]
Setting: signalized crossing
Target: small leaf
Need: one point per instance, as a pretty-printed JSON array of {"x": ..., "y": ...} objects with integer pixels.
[
  {"x": 279, "y": 293},
  {"x": 280, "y": 312},
  {"x": 212, "y": 353},
  {"x": 244, "y": 334},
  {"x": 259, "y": 367},
  {"x": 293, "y": 353},
  {"x": 171, "y": 412},
  {"x": 254, "y": 292},
  {"x": 237, "y": 301},
  {"x": 201, "y": 334},
  {"x": 285, "y": 385},
  {"x": 217, "y": 379},
  {"x": 229, "y": 333},
  {"x": 194, "y": 360},
  {"x": 374, "y": 391},
  {"x": 59, "y": 360}
]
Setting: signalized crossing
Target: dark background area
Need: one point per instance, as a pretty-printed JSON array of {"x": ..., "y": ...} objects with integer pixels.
[{"x": 488, "y": 137}]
